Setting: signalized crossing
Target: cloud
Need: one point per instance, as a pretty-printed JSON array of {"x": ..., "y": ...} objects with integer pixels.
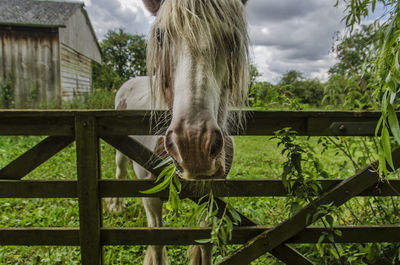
[
  {"x": 285, "y": 34},
  {"x": 289, "y": 34},
  {"x": 110, "y": 15}
]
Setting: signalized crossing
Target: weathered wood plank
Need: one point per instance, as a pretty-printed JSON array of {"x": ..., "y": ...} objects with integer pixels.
[
  {"x": 88, "y": 168},
  {"x": 257, "y": 114},
  {"x": 133, "y": 188},
  {"x": 187, "y": 236},
  {"x": 353, "y": 128},
  {"x": 240, "y": 235},
  {"x": 137, "y": 122},
  {"x": 231, "y": 188},
  {"x": 38, "y": 189},
  {"x": 135, "y": 151},
  {"x": 310, "y": 123},
  {"x": 32, "y": 58},
  {"x": 268, "y": 240},
  {"x": 34, "y": 157},
  {"x": 39, "y": 236},
  {"x": 37, "y": 125}
]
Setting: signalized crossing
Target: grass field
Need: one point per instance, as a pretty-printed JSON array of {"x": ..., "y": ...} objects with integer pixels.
[{"x": 255, "y": 158}]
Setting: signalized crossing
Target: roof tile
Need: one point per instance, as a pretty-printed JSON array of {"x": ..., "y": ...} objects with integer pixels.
[{"x": 36, "y": 12}]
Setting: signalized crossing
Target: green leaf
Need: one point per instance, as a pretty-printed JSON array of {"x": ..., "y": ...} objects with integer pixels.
[
  {"x": 382, "y": 161},
  {"x": 329, "y": 220},
  {"x": 385, "y": 140},
  {"x": 166, "y": 171},
  {"x": 378, "y": 126},
  {"x": 177, "y": 183},
  {"x": 331, "y": 238},
  {"x": 321, "y": 238},
  {"x": 162, "y": 186},
  {"x": 211, "y": 207},
  {"x": 384, "y": 103},
  {"x": 337, "y": 232},
  {"x": 174, "y": 199},
  {"x": 166, "y": 161},
  {"x": 393, "y": 123},
  {"x": 204, "y": 241},
  {"x": 333, "y": 252},
  {"x": 236, "y": 217}
]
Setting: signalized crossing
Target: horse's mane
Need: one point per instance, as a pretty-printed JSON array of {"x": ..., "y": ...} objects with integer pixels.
[{"x": 219, "y": 23}]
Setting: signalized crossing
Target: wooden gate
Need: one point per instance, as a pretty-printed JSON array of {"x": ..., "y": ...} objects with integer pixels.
[{"x": 87, "y": 127}]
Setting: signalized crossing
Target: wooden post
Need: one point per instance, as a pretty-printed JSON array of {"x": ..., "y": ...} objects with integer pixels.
[{"x": 88, "y": 167}]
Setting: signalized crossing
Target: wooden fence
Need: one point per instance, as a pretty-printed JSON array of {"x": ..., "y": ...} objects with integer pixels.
[{"x": 87, "y": 127}]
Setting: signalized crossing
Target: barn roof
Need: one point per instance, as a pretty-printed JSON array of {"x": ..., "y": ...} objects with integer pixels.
[{"x": 37, "y": 13}]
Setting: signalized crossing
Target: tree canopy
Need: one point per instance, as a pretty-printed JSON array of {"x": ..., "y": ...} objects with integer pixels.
[
  {"x": 386, "y": 67},
  {"x": 124, "y": 57}
]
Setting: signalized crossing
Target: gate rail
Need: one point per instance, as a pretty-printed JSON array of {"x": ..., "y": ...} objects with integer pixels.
[{"x": 87, "y": 127}]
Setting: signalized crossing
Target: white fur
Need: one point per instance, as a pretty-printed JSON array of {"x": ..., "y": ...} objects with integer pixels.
[
  {"x": 204, "y": 93},
  {"x": 135, "y": 93},
  {"x": 199, "y": 51}
]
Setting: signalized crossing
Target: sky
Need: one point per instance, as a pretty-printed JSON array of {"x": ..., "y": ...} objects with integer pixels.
[{"x": 285, "y": 34}]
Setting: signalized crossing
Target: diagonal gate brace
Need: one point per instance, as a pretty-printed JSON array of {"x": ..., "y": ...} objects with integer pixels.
[
  {"x": 146, "y": 158},
  {"x": 34, "y": 157},
  {"x": 269, "y": 240}
]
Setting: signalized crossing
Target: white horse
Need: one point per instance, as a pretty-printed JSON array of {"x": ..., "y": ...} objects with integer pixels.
[{"x": 198, "y": 65}]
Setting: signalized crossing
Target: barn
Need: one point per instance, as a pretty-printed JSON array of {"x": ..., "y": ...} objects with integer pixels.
[{"x": 46, "y": 52}]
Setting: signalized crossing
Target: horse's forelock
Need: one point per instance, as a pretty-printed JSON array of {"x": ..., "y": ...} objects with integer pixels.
[{"x": 219, "y": 23}]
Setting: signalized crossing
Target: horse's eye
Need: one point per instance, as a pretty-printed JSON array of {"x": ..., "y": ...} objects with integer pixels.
[{"x": 159, "y": 36}]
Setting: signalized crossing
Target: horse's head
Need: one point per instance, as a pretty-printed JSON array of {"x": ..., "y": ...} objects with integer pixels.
[{"x": 198, "y": 57}]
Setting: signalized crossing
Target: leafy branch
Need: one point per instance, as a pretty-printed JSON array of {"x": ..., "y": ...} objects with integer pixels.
[
  {"x": 386, "y": 67},
  {"x": 169, "y": 180},
  {"x": 206, "y": 211},
  {"x": 300, "y": 172}
]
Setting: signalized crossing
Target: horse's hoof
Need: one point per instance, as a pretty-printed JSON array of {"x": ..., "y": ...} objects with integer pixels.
[{"x": 114, "y": 205}]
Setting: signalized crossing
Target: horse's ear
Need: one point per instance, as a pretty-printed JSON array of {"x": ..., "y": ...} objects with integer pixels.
[
  {"x": 244, "y": 1},
  {"x": 152, "y": 6}
]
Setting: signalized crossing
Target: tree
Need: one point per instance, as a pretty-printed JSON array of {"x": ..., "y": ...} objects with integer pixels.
[
  {"x": 254, "y": 74},
  {"x": 353, "y": 51},
  {"x": 263, "y": 93},
  {"x": 124, "y": 57},
  {"x": 307, "y": 91},
  {"x": 351, "y": 85},
  {"x": 386, "y": 67},
  {"x": 291, "y": 77}
]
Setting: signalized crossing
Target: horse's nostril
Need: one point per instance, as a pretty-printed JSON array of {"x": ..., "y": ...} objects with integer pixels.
[{"x": 217, "y": 144}]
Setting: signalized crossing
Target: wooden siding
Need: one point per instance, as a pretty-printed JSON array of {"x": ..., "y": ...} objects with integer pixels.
[
  {"x": 79, "y": 36},
  {"x": 76, "y": 74},
  {"x": 30, "y": 56}
]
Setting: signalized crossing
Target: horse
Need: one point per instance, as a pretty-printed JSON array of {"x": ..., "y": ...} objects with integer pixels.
[{"x": 197, "y": 64}]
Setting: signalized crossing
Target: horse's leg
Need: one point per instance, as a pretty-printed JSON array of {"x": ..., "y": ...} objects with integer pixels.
[
  {"x": 201, "y": 254},
  {"x": 116, "y": 205},
  {"x": 155, "y": 255}
]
